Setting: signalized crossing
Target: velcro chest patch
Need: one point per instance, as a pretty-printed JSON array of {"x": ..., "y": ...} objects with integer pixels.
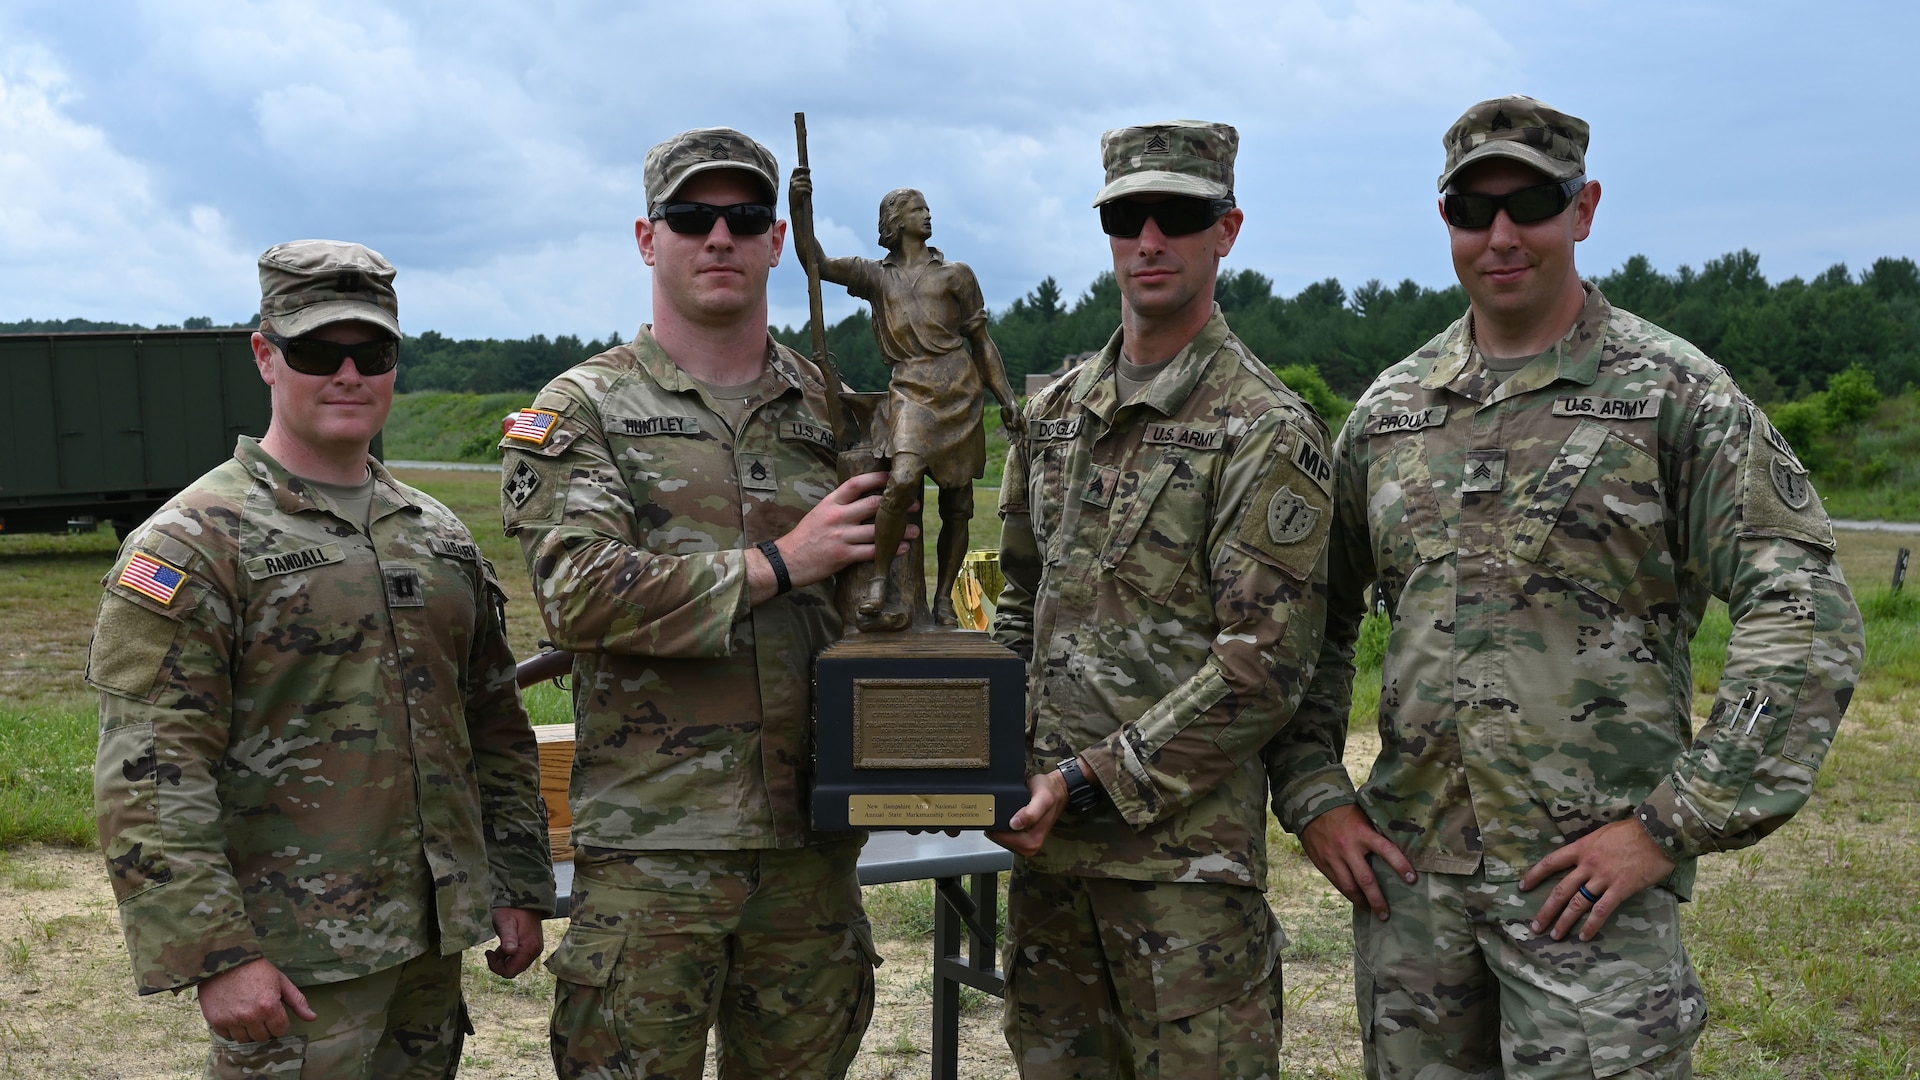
[
  {"x": 1606, "y": 408},
  {"x": 1100, "y": 485},
  {"x": 1064, "y": 428},
  {"x": 403, "y": 586},
  {"x": 634, "y": 427},
  {"x": 807, "y": 431},
  {"x": 756, "y": 474},
  {"x": 292, "y": 562},
  {"x": 1394, "y": 423},
  {"x": 1191, "y": 438},
  {"x": 454, "y": 549}
]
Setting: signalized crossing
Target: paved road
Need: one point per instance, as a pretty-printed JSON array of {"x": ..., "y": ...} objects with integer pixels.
[
  {"x": 1880, "y": 526},
  {"x": 454, "y": 466}
]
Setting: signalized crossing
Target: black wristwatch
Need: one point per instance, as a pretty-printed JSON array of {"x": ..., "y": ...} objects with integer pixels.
[{"x": 1081, "y": 794}]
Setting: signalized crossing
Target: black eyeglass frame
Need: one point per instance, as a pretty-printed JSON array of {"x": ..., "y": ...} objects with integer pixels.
[
  {"x": 1468, "y": 210},
  {"x": 696, "y": 219},
  {"x": 313, "y": 356},
  {"x": 1125, "y": 218}
]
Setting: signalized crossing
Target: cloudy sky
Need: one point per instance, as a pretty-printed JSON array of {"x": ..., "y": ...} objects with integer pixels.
[{"x": 493, "y": 149}]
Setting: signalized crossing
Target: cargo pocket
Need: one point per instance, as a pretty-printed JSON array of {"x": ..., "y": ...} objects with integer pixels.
[
  {"x": 861, "y": 1015},
  {"x": 1156, "y": 531},
  {"x": 588, "y": 955},
  {"x": 1645, "y": 1019},
  {"x": 1404, "y": 515},
  {"x": 1595, "y": 514},
  {"x": 284, "y": 1056},
  {"x": 1208, "y": 974}
]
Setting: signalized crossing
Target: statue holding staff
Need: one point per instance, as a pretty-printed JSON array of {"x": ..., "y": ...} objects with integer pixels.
[{"x": 930, "y": 320}]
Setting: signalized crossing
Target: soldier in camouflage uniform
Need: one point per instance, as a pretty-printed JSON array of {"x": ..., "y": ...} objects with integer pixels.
[
  {"x": 1164, "y": 533},
  {"x": 316, "y": 786},
  {"x": 1547, "y": 494},
  {"x": 676, "y": 501}
]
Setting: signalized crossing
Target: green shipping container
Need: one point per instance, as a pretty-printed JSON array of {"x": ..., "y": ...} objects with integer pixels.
[{"x": 108, "y": 426}]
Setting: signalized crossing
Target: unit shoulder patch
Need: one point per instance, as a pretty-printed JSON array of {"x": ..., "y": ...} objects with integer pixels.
[
  {"x": 1284, "y": 523},
  {"x": 1311, "y": 461}
]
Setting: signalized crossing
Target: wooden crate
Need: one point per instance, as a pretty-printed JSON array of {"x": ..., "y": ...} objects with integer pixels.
[{"x": 556, "y": 767}]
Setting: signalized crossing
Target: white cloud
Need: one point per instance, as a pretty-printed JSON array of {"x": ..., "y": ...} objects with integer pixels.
[{"x": 84, "y": 233}]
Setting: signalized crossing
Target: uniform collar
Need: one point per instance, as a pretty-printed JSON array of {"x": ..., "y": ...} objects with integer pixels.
[
  {"x": 661, "y": 369},
  {"x": 1098, "y": 394},
  {"x": 292, "y": 495},
  {"x": 1575, "y": 358}
]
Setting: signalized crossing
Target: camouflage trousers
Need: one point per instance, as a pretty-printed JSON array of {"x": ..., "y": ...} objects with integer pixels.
[
  {"x": 1456, "y": 985},
  {"x": 405, "y": 1022},
  {"x": 1112, "y": 978},
  {"x": 771, "y": 948}
]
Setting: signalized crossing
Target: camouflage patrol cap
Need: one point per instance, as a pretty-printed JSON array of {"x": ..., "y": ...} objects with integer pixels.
[
  {"x": 672, "y": 163},
  {"x": 1179, "y": 157},
  {"x": 1530, "y": 132},
  {"x": 306, "y": 284}
]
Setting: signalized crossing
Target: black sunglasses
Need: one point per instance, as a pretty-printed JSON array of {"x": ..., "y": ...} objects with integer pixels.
[
  {"x": 696, "y": 218},
  {"x": 1178, "y": 216},
  {"x": 1523, "y": 206},
  {"x": 312, "y": 356}
]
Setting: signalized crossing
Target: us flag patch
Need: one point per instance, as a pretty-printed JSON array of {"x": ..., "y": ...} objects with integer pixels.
[
  {"x": 149, "y": 576},
  {"x": 532, "y": 425}
]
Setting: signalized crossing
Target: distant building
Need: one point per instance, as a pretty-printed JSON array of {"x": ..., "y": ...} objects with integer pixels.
[{"x": 1041, "y": 380}]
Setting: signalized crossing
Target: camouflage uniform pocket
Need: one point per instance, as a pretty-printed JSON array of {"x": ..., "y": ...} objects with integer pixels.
[
  {"x": 1645, "y": 1020},
  {"x": 284, "y": 1056},
  {"x": 1156, "y": 531},
  {"x": 588, "y": 956},
  {"x": 1207, "y": 974},
  {"x": 1403, "y": 511},
  {"x": 1595, "y": 514}
]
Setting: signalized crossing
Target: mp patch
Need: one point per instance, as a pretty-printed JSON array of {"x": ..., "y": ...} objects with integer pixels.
[
  {"x": 532, "y": 426},
  {"x": 403, "y": 586},
  {"x": 1311, "y": 462},
  {"x": 1290, "y": 517},
  {"x": 521, "y": 485}
]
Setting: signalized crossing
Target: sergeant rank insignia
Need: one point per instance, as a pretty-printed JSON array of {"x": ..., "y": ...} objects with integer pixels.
[
  {"x": 532, "y": 426},
  {"x": 149, "y": 576},
  {"x": 1290, "y": 517}
]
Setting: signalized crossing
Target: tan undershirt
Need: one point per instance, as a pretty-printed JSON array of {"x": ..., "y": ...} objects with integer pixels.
[
  {"x": 355, "y": 501},
  {"x": 1503, "y": 367},
  {"x": 730, "y": 401},
  {"x": 1133, "y": 378}
]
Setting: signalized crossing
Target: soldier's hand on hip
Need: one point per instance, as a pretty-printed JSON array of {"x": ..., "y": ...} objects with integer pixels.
[
  {"x": 520, "y": 941},
  {"x": 1028, "y": 828},
  {"x": 249, "y": 1003},
  {"x": 1605, "y": 868},
  {"x": 1339, "y": 843}
]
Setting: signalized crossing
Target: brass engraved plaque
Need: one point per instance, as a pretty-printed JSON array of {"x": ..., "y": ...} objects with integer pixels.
[
  {"x": 906, "y": 811},
  {"x": 921, "y": 724}
]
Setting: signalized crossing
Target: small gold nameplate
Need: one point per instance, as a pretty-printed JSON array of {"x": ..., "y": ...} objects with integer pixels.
[{"x": 898, "y": 811}]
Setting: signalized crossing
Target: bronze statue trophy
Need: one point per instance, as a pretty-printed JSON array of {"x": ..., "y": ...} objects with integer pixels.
[{"x": 917, "y": 723}]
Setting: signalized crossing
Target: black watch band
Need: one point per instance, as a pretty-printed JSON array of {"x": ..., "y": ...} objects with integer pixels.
[
  {"x": 782, "y": 580},
  {"x": 1081, "y": 794}
]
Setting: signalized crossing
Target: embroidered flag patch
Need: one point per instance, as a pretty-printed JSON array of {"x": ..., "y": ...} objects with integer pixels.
[
  {"x": 149, "y": 576},
  {"x": 532, "y": 425}
]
